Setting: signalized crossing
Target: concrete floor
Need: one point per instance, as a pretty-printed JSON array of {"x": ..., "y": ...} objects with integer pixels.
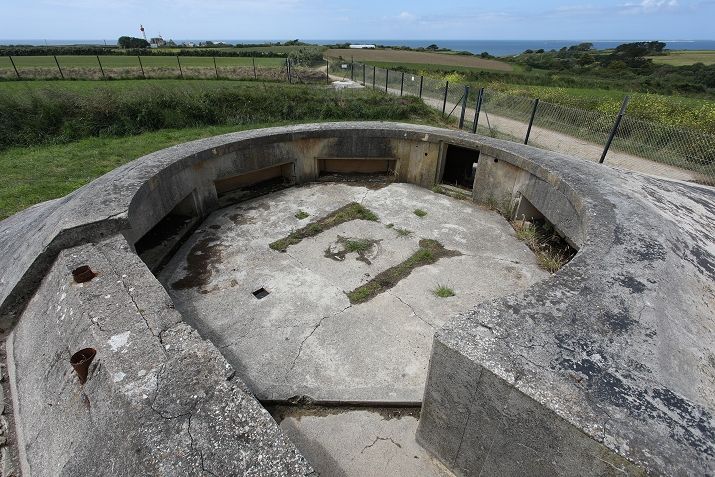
[
  {"x": 304, "y": 338},
  {"x": 360, "y": 442}
]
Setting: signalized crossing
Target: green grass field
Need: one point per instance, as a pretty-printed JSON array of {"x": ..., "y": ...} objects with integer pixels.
[
  {"x": 76, "y": 131},
  {"x": 133, "y": 62},
  {"x": 685, "y": 58},
  {"x": 35, "y": 174}
]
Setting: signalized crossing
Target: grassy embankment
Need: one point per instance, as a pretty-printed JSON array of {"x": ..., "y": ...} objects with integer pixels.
[{"x": 57, "y": 136}]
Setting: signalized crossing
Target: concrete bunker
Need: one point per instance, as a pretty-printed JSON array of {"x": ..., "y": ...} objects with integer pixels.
[{"x": 551, "y": 361}]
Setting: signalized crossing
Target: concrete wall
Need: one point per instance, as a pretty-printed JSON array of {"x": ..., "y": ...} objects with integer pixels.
[
  {"x": 159, "y": 400},
  {"x": 607, "y": 366}
]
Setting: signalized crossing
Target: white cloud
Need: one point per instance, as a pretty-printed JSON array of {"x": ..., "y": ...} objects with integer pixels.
[
  {"x": 406, "y": 16},
  {"x": 650, "y": 6}
]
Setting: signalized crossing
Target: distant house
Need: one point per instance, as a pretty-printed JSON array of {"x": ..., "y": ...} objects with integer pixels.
[
  {"x": 362, "y": 46},
  {"x": 157, "y": 42}
]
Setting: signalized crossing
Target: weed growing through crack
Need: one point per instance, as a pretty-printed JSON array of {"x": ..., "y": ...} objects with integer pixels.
[
  {"x": 352, "y": 211},
  {"x": 420, "y": 213},
  {"x": 403, "y": 232},
  {"x": 429, "y": 252},
  {"x": 443, "y": 291},
  {"x": 301, "y": 214}
]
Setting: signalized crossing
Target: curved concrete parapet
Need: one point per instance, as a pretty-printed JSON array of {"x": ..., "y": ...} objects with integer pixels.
[{"x": 606, "y": 367}]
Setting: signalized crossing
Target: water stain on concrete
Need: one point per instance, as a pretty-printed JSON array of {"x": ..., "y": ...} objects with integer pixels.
[
  {"x": 203, "y": 255},
  {"x": 240, "y": 219}
]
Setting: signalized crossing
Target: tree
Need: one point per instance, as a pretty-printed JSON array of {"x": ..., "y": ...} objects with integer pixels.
[
  {"x": 433, "y": 47},
  {"x": 132, "y": 42}
]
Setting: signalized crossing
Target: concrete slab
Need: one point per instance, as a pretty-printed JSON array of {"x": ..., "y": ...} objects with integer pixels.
[
  {"x": 360, "y": 443},
  {"x": 305, "y": 338}
]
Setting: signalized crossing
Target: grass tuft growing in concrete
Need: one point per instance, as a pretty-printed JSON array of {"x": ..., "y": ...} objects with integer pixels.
[
  {"x": 420, "y": 213},
  {"x": 358, "y": 245},
  {"x": 403, "y": 232},
  {"x": 443, "y": 291},
  {"x": 301, "y": 214},
  {"x": 352, "y": 211},
  {"x": 552, "y": 252},
  {"x": 429, "y": 252}
]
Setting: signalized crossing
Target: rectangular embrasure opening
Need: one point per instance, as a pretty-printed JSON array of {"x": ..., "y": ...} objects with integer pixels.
[
  {"x": 356, "y": 165},
  {"x": 460, "y": 166},
  {"x": 240, "y": 187},
  {"x": 160, "y": 242}
]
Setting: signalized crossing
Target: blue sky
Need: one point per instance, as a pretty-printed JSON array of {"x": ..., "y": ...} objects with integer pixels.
[{"x": 359, "y": 19}]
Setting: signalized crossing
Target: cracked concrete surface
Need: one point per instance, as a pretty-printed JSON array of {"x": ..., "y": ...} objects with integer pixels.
[
  {"x": 360, "y": 443},
  {"x": 158, "y": 400},
  {"x": 304, "y": 338}
]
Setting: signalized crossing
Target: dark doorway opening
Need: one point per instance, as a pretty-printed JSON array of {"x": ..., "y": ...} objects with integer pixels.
[{"x": 459, "y": 166}]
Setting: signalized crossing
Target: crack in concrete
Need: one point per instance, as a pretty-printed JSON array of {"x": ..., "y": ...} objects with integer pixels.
[
  {"x": 300, "y": 348},
  {"x": 617, "y": 469},
  {"x": 377, "y": 439},
  {"x": 364, "y": 196},
  {"x": 136, "y": 305},
  {"x": 193, "y": 447},
  {"x": 411, "y": 308}
]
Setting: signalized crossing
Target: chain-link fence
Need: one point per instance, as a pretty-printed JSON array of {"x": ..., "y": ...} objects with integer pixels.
[{"x": 623, "y": 142}]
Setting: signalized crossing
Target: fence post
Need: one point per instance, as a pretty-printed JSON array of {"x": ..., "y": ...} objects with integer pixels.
[
  {"x": 58, "y": 67},
  {"x": 327, "y": 72},
  {"x": 531, "y": 121},
  {"x": 422, "y": 80},
  {"x": 14, "y": 67},
  {"x": 387, "y": 76},
  {"x": 290, "y": 80},
  {"x": 100, "y": 67},
  {"x": 444, "y": 103},
  {"x": 364, "y": 76},
  {"x": 374, "y": 70},
  {"x": 141, "y": 66},
  {"x": 477, "y": 109},
  {"x": 255, "y": 76},
  {"x": 402, "y": 83},
  {"x": 215, "y": 67},
  {"x": 621, "y": 113},
  {"x": 464, "y": 106},
  {"x": 352, "y": 69},
  {"x": 181, "y": 71}
]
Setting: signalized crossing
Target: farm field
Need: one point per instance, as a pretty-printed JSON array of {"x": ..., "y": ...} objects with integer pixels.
[
  {"x": 685, "y": 58},
  {"x": 120, "y": 61},
  {"x": 393, "y": 57}
]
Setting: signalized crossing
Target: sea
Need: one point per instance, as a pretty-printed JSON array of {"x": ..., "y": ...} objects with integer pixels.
[{"x": 493, "y": 47}]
